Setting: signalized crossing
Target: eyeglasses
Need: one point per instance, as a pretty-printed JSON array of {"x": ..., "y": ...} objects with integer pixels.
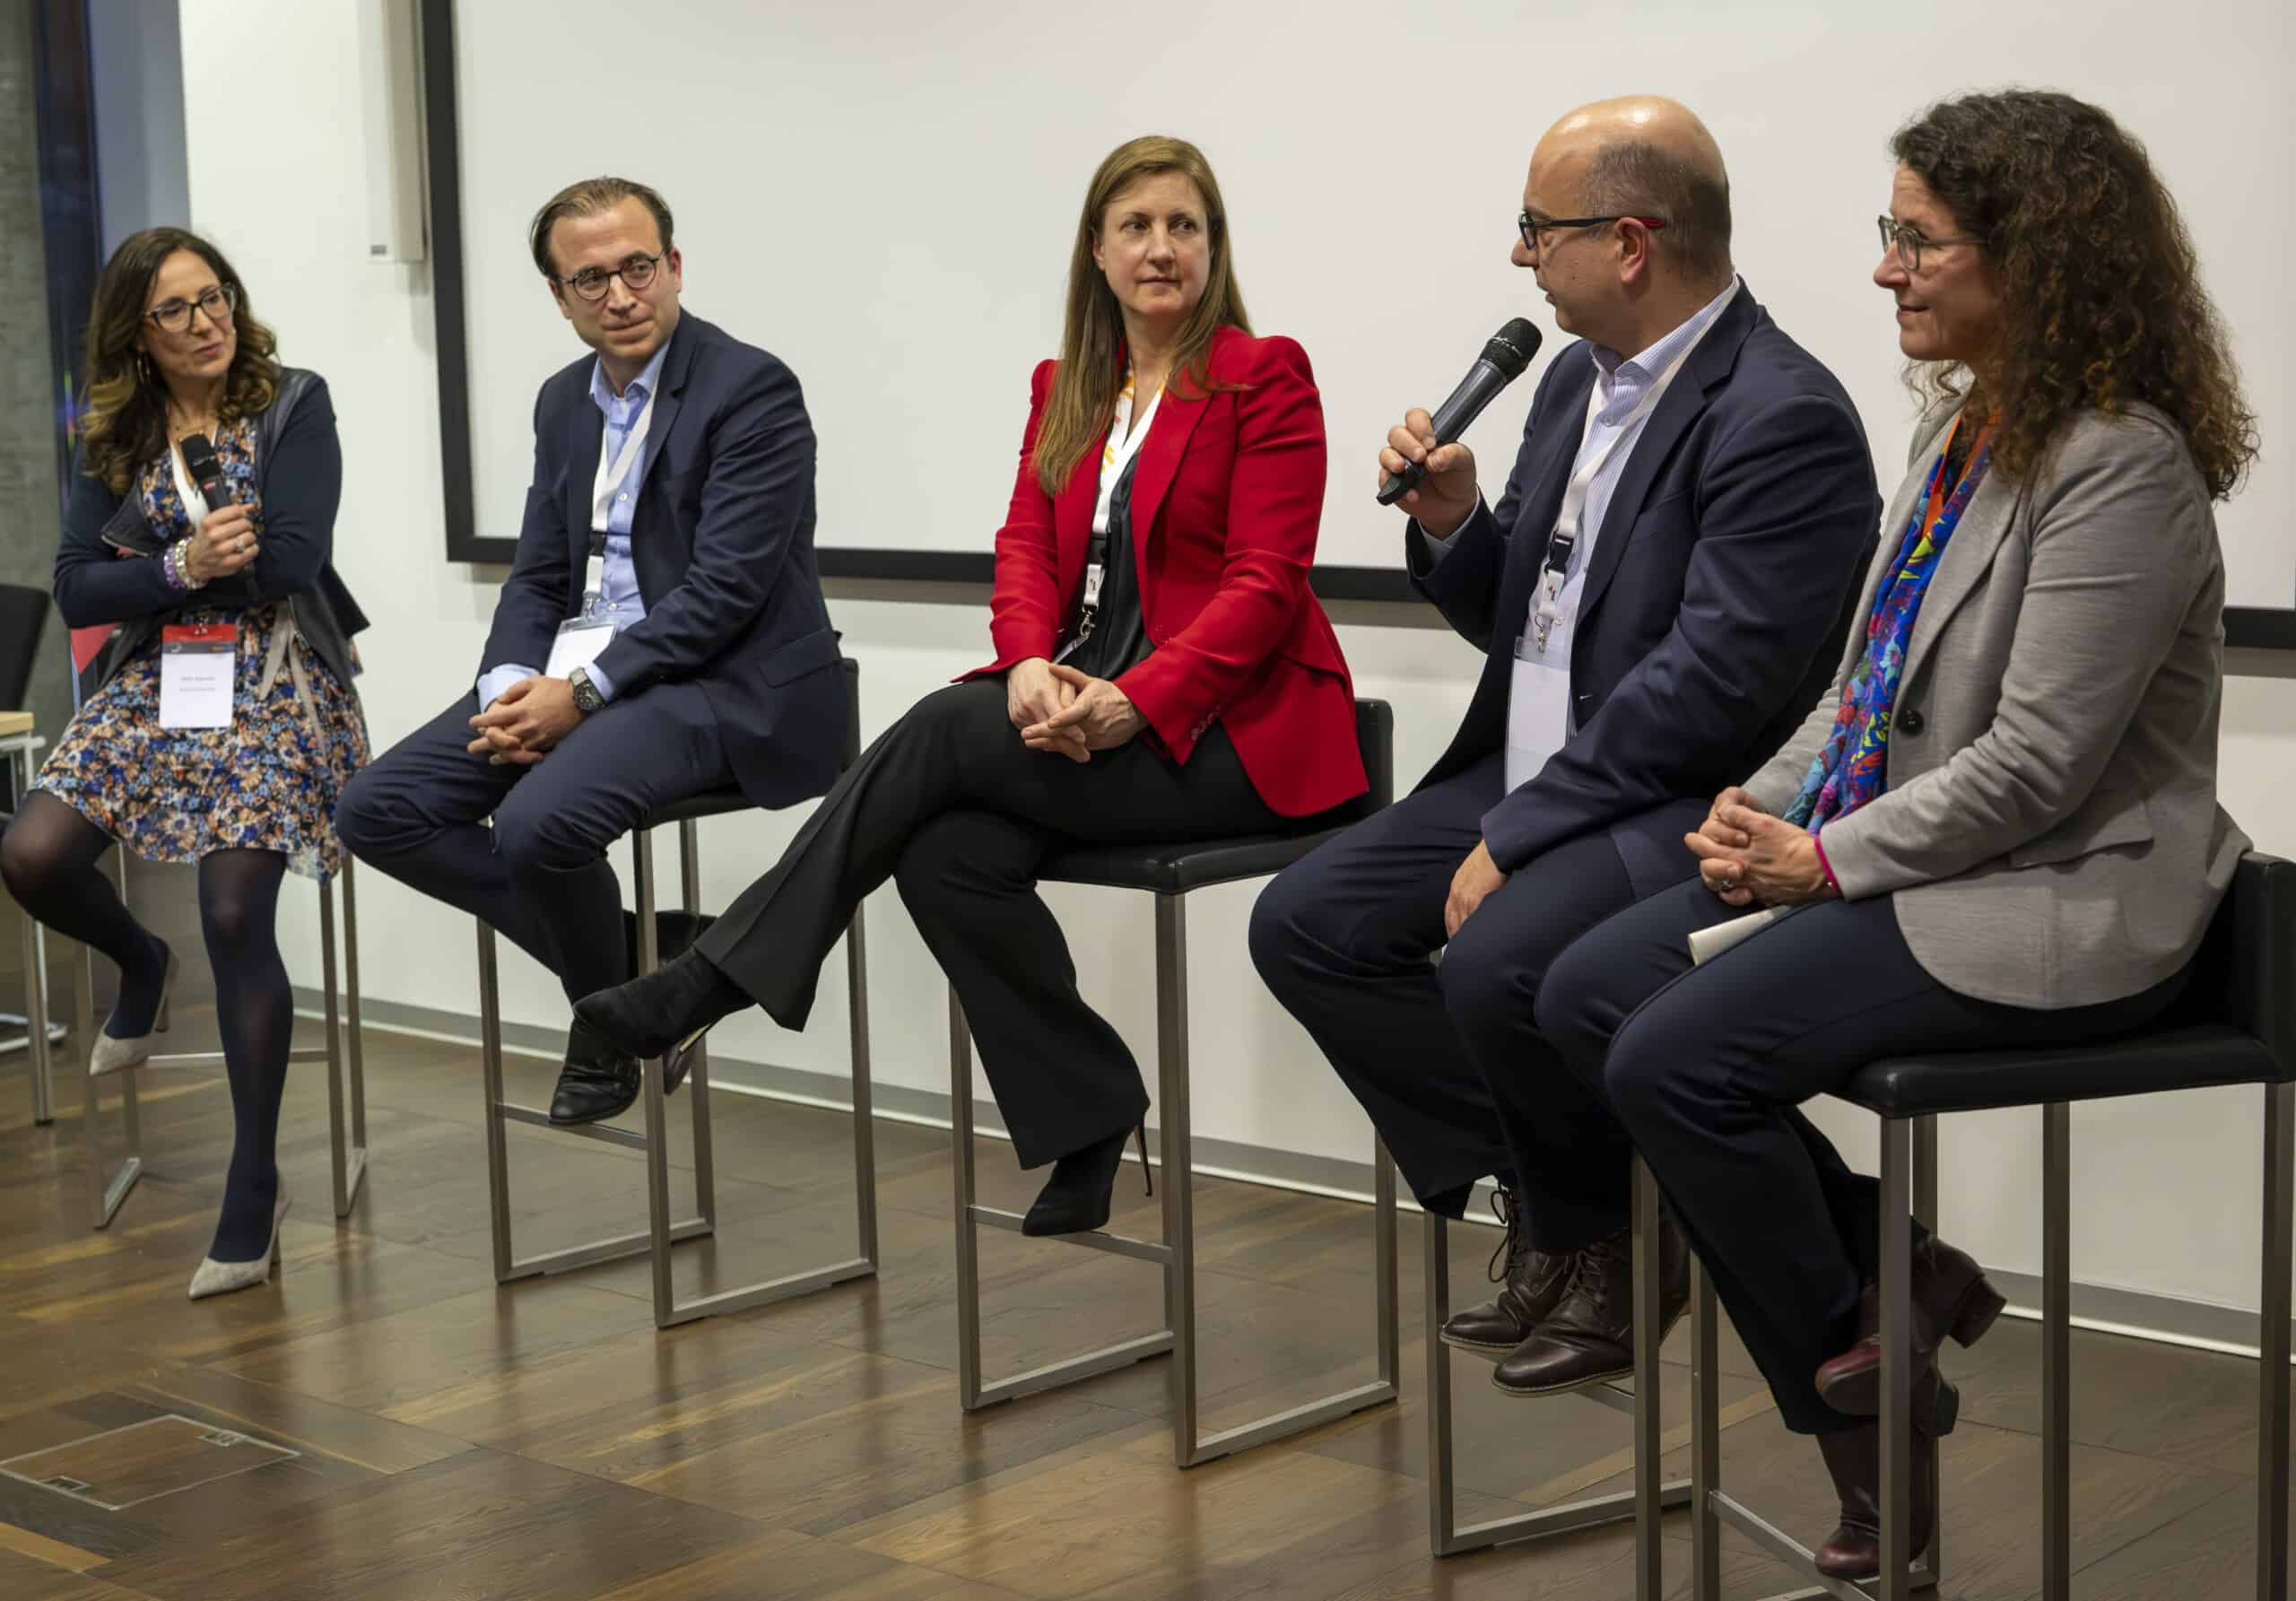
[
  {"x": 1910, "y": 241},
  {"x": 1533, "y": 227},
  {"x": 219, "y": 301},
  {"x": 635, "y": 273}
]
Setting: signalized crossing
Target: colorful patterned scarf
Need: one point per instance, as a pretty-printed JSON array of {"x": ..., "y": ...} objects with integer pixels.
[{"x": 1853, "y": 767}]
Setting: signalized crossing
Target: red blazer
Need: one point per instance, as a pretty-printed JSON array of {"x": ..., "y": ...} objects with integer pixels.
[{"x": 1225, "y": 504}]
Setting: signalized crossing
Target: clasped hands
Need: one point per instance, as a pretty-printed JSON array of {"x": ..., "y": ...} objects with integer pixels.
[
  {"x": 1069, "y": 713},
  {"x": 1744, "y": 855},
  {"x": 1750, "y": 858},
  {"x": 523, "y": 723}
]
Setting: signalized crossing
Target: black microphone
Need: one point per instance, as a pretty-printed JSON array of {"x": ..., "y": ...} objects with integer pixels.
[
  {"x": 1502, "y": 361},
  {"x": 199, "y": 461}
]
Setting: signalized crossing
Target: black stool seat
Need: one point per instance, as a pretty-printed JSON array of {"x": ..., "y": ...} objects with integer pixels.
[
  {"x": 1976, "y": 1081},
  {"x": 2236, "y": 1024},
  {"x": 719, "y": 803},
  {"x": 709, "y": 803},
  {"x": 1168, "y": 868}
]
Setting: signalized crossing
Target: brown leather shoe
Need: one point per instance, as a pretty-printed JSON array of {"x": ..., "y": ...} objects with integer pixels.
[
  {"x": 1588, "y": 1339},
  {"x": 1531, "y": 1283},
  {"x": 1854, "y": 1459},
  {"x": 1950, "y": 1296}
]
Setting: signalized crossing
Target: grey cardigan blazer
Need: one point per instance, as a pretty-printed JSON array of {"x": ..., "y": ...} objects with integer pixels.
[{"x": 2051, "y": 835}]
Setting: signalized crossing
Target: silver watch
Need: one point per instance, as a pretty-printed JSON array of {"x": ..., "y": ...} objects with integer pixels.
[{"x": 586, "y": 698}]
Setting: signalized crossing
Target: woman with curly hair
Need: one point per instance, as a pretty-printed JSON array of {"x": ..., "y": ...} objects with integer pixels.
[
  {"x": 1999, "y": 826},
  {"x": 202, "y": 512}
]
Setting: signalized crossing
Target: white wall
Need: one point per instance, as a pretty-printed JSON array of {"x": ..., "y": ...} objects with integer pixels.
[
  {"x": 288, "y": 207},
  {"x": 910, "y": 173}
]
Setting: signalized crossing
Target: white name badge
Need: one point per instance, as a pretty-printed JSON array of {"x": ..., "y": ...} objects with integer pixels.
[
  {"x": 578, "y": 643},
  {"x": 197, "y": 663},
  {"x": 1538, "y": 703}
]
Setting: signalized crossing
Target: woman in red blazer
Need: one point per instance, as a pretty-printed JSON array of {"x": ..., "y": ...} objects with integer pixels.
[{"x": 1162, "y": 673}]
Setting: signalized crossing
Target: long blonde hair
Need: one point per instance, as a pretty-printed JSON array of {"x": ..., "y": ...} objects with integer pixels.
[{"x": 1090, "y": 375}]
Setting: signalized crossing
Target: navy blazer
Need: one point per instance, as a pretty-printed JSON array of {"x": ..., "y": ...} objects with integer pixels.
[
  {"x": 1716, "y": 600},
  {"x": 722, "y": 537}
]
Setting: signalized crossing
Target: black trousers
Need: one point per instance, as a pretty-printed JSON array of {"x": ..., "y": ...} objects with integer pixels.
[
  {"x": 1704, "y": 1069},
  {"x": 953, "y": 804},
  {"x": 1448, "y": 1059},
  {"x": 540, "y": 874}
]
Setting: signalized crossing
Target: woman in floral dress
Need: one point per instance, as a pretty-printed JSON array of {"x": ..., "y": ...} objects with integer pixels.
[{"x": 202, "y": 520}]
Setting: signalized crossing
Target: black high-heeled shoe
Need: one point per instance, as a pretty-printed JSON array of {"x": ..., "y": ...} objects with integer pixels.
[{"x": 1077, "y": 1198}]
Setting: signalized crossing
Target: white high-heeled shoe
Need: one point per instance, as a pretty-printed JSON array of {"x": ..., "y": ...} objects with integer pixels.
[
  {"x": 118, "y": 1056},
  {"x": 221, "y": 1278}
]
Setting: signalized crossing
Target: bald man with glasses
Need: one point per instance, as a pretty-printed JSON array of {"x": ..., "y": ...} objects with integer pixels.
[
  {"x": 662, "y": 632},
  {"x": 1659, "y": 593}
]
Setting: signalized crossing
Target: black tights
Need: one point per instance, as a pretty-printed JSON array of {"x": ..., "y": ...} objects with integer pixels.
[{"x": 48, "y": 859}]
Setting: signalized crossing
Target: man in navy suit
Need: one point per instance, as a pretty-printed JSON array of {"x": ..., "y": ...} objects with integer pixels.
[
  {"x": 1661, "y": 594},
  {"x": 662, "y": 632}
]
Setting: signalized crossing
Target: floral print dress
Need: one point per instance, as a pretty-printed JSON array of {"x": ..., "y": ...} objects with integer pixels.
[{"x": 267, "y": 782}]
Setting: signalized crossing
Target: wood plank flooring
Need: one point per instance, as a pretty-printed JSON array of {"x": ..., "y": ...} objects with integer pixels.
[{"x": 455, "y": 1438}]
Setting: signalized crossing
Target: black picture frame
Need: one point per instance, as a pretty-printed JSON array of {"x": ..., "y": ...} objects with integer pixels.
[{"x": 2255, "y": 628}]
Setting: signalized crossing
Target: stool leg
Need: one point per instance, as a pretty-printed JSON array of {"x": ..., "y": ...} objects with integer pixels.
[
  {"x": 1705, "y": 1439},
  {"x": 338, "y": 1159},
  {"x": 1437, "y": 1275},
  {"x": 657, "y": 1119},
  {"x": 36, "y": 1051},
  {"x": 865, "y": 1128},
  {"x": 1383, "y": 1208},
  {"x": 697, "y": 1084},
  {"x": 2057, "y": 1352},
  {"x": 1649, "y": 1437},
  {"x": 1179, "y": 1166},
  {"x": 2272, "y": 1384},
  {"x": 355, "y": 1041},
  {"x": 968, "y": 1238},
  {"x": 490, "y": 1060},
  {"x": 1925, "y": 1209},
  {"x": 1897, "y": 1360}
]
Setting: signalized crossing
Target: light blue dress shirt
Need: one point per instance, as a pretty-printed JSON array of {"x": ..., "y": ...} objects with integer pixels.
[
  {"x": 619, "y": 599},
  {"x": 1621, "y": 382}
]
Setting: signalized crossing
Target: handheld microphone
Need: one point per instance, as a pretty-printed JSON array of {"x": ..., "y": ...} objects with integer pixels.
[
  {"x": 1502, "y": 361},
  {"x": 199, "y": 461}
]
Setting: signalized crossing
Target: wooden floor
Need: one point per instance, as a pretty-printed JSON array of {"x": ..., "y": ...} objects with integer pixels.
[{"x": 455, "y": 1438}]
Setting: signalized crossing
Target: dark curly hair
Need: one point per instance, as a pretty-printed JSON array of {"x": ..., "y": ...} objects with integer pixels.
[
  {"x": 2101, "y": 303},
  {"x": 126, "y": 421}
]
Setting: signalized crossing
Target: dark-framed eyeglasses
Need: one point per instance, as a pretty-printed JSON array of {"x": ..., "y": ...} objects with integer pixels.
[
  {"x": 1909, "y": 242},
  {"x": 218, "y": 300},
  {"x": 1533, "y": 227},
  {"x": 636, "y": 273}
]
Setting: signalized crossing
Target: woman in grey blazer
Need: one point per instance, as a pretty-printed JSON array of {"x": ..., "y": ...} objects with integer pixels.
[{"x": 2002, "y": 817}]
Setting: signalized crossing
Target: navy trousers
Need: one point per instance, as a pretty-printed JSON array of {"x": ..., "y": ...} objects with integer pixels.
[
  {"x": 1706, "y": 1069},
  {"x": 540, "y": 874},
  {"x": 1448, "y": 1059}
]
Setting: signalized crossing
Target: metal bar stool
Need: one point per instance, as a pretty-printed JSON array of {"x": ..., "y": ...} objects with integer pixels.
[
  {"x": 1643, "y": 1502},
  {"x": 2235, "y": 1025},
  {"x": 661, "y": 1232},
  {"x": 108, "y": 1186},
  {"x": 1169, "y": 872}
]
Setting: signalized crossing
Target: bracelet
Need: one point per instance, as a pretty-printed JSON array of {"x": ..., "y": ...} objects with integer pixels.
[
  {"x": 167, "y": 567},
  {"x": 178, "y": 566}
]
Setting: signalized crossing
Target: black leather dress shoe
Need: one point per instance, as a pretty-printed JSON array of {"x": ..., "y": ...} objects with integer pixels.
[
  {"x": 1531, "y": 1284},
  {"x": 666, "y": 1012},
  {"x": 1854, "y": 1459},
  {"x": 597, "y": 1081},
  {"x": 1951, "y": 1296},
  {"x": 1588, "y": 1338}
]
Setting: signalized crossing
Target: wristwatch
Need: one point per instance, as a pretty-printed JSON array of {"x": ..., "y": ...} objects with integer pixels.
[{"x": 586, "y": 698}]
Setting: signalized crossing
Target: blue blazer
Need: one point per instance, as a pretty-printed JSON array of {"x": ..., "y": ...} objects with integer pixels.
[
  {"x": 1716, "y": 600},
  {"x": 722, "y": 537}
]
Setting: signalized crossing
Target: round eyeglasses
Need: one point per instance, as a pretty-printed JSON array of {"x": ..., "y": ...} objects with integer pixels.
[{"x": 636, "y": 273}]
